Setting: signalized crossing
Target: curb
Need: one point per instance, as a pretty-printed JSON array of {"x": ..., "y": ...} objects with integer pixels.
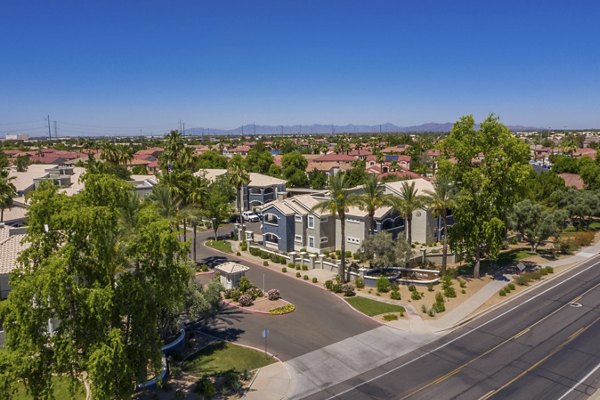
[
  {"x": 297, "y": 280},
  {"x": 515, "y": 297},
  {"x": 230, "y": 303}
]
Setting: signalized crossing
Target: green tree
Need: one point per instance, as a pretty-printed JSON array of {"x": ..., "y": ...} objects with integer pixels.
[
  {"x": 357, "y": 175},
  {"x": 440, "y": 200},
  {"x": 212, "y": 159},
  {"x": 406, "y": 204},
  {"x": 238, "y": 178},
  {"x": 317, "y": 179},
  {"x": 7, "y": 192},
  {"x": 589, "y": 170},
  {"x": 105, "y": 286},
  {"x": 371, "y": 199},
  {"x": 535, "y": 224},
  {"x": 293, "y": 168},
  {"x": 217, "y": 208},
  {"x": 22, "y": 163},
  {"x": 383, "y": 252},
  {"x": 490, "y": 168},
  {"x": 562, "y": 164},
  {"x": 259, "y": 159},
  {"x": 540, "y": 187},
  {"x": 338, "y": 203}
]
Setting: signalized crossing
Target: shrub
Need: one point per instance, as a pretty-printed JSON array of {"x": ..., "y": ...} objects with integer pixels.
[
  {"x": 502, "y": 292},
  {"x": 288, "y": 308},
  {"x": 273, "y": 294},
  {"x": 439, "y": 297},
  {"x": 202, "y": 268},
  {"x": 430, "y": 287},
  {"x": 255, "y": 292},
  {"x": 394, "y": 287},
  {"x": 395, "y": 295},
  {"x": 298, "y": 275},
  {"x": 438, "y": 307},
  {"x": 290, "y": 265},
  {"x": 304, "y": 268},
  {"x": 463, "y": 284},
  {"x": 522, "y": 280},
  {"x": 238, "y": 254},
  {"x": 463, "y": 291},
  {"x": 243, "y": 246},
  {"x": 338, "y": 279},
  {"x": 356, "y": 256},
  {"x": 431, "y": 313},
  {"x": 549, "y": 269},
  {"x": 235, "y": 295},
  {"x": 390, "y": 317},
  {"x": 298, "y": 267},
  {"x": 348, "y": 254},
  {"x": 315, "y": 280},
  {"x": 245, "y": 300},
  {"x": 227, "y": 293},
  {"x": 337, "y": 288},
  {"x": 205, "y": 387},
  {"x": 265, "y": 263},
  {"x": 449, "y": 292},
  {"x": 383, "y": 284},
  {"x": 329, "y": 284},
  {"x": 423, "y": 308},
  {"x": 284, "y": 269},
  {"x": 446, "y": 281},
  {"x": 415, "y": 295},
  {"x": 254, "y": 251},
  {"x": 231, "y": 382},
  {"x": 338, "y": 253},
  {"x": 305, "y": 277},
  {"x": 264, "y": 255},
  {"x": 511, "y": 286},
  {"x": 359, "y": 282},
  {"x": 348, "y": 290},
  {"x": 412, "y": 288}
]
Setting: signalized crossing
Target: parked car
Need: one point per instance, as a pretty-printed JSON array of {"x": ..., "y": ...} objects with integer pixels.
[
  {"x": 249, "y": 216},
  {"x": 260, "y": 215}
]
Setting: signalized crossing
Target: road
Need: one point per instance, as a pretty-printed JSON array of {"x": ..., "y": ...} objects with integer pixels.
[
  {"x": 320, "y": 319},
  {"x": 543, "y": 345}
]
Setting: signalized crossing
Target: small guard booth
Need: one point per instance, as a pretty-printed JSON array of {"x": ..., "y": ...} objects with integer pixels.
[{"x": 231, "y": 273}]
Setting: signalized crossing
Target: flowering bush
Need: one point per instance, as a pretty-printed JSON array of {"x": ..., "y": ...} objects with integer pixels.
[
  {"x": 245, "y": 300},
  {"x": 273, "y": 294}
]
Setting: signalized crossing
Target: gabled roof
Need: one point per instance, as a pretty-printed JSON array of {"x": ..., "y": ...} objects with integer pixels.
[
  {"x": 256, "y": 179},
  {"x": 335, "y": 157}
]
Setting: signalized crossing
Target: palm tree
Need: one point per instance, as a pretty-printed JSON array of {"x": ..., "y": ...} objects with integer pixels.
[
  {"x": 440, "y": 200},
  {"x": 238, "y": 177},
  {"x": 408, "y": 202},
  {"x": 371, "y": 199},
  {"x": 7, "y": 192},
  {"x": 338, "y": 203},
  {"x": 166, "y": 202}
]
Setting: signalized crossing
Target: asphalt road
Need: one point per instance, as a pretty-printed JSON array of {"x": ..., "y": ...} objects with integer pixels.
[
  {"x": 320, "y": 319},
  {"x": 539, "y": 346}
]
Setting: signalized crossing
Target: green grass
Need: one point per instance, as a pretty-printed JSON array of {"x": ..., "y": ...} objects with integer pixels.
[
  {"x": 221, "y": 245},
  {"x": 221, "y": 357},
  {"x": 61, "y": 390},
  {"x": 595, "y": 226},
  {"x": 373, "y": 307}
]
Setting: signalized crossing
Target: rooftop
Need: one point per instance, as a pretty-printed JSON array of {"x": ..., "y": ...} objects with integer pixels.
[{"x": 231, "y": 268}]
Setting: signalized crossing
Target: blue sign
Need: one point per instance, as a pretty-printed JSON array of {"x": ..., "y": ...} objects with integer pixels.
[{"x": 265, "y": 332}]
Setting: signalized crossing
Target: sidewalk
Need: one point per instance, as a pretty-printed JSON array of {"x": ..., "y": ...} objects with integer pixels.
[{"x": 270, "y": 383}]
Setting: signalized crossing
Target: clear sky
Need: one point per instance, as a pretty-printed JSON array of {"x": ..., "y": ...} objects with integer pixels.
[{"x": 147, "y": 64}]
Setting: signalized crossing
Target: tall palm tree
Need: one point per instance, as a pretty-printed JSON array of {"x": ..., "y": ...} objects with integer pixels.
[
  {"x": 440, "y": 200},
  {"x": 7, "y": 192},
  {"x": 371, "y": 199},
  {"x": 408, "y": 202},
  {"x": 166, "y": 202},
  {"x": 238, "y": 177},
  {"x": 338, "y": 203}
]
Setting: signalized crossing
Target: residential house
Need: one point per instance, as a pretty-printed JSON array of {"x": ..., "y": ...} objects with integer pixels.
[{"x": 11, "y": 245}]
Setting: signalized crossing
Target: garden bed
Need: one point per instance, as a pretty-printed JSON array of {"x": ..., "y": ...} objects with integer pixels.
[
  {"x": 264, "y": 305},
  {"x": 221, "y": 245},
  {"x": 373, "y": 307}
]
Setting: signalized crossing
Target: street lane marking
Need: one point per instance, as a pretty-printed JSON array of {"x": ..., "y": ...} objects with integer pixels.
[
  {"x": 524, "y": 331},
  {"x": 568, "y": 392},
  {"x": 467, "y": 333},
  {"x": 553, "y": 352}
]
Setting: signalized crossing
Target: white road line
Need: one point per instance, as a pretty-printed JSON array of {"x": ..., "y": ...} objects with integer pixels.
[
  {"x": 461, "y": 336},
  {"x": 580, "y": 382}
]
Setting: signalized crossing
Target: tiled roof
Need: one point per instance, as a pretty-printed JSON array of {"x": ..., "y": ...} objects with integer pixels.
[
  {"x": 573, "y": 180},
  {"x": 231, "y": 268},
  {"x": 335, "y": 157},
  {"x": 10, "y": 248}
]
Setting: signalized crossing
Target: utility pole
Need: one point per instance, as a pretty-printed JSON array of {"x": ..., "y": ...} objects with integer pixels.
[
  {"x": 183, "y": 132},
  {"x": 55, "y": 129},
  {"x": 49, "y": 131}
]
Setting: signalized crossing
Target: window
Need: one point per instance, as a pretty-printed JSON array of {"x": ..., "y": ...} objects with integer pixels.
[
  {"x": 298, "y": 239},
  {"x": 271, "y": 219},
  {"x": 311, "y": 221},
  {"x": 311, "y": 241},
  {"x": 298, "y": 218},
  {"x": 353, "y": 221},
  {"x": 255, "y": 191},
  {"x": 324, "y": 239},
  {"x": 354, "y": 240},
  {"x": 271, "y": 238},
  {"x": 324, "y": 219}
]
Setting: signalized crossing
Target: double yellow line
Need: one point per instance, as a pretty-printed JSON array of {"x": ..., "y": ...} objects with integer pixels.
[{"x": 517, "y": 335}]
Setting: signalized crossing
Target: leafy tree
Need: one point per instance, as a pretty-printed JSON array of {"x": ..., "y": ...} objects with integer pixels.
[
  {"x": 294, "y": 169},
  {"x": 274, "y": 170},
  {"x": 562, "y": 164},
  {"x": 357, "y": 175},
  {"x": 338, "y": 203},
  {"x": 238, "y": 178},
  {"x": 371, "y": 199},
  {"x": 540, "y": 187},
  {"x": 139, "y": 170},
  {"x": 105, "y": 286},
  {"x": 22, "y": 163},
  {"x": 406, "y": 204},
  {"x": 7, "y": 192},
  {"x": 259, "y": 159},
  {"x": 211, "y": 159},
  {"x": 317, "y": 179},
  {"x": 3, "y": 161},
  {"x": 383, "y": 252},
  {"x": 534, "y": 223},
  {"x": 440, "y": 200},
  {"x": 217, "y": 207},
  {"x": 490, "y": 169},
  {"x": 581, "y": 205},
  {"x": 589, "y": 170}
]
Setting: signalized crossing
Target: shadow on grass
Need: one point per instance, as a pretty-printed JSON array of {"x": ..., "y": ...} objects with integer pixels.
[{"x": 505, "y": 259}]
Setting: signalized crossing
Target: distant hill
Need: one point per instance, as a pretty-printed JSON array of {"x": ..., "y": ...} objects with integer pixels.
[{"x": 251, "y": 129}]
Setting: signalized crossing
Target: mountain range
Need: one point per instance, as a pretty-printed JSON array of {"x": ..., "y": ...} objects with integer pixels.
[{"x": 251, "y": 129}]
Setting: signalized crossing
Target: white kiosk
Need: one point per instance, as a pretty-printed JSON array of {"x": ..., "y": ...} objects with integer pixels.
[{"x": 231, "y": 273}]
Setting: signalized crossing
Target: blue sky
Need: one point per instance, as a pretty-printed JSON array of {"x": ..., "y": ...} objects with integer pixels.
[{"x": 126, "y": 65}]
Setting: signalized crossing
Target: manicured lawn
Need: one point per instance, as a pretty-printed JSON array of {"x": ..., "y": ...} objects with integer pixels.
[
  {"x": 221, "y": 357},
  {"x": 61, "y": 390},
  {"x": 221, "y": 245},
  {"x": 373, "y": 307}
]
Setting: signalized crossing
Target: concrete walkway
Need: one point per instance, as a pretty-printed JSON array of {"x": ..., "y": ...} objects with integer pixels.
[
  {"x": 270, "y": 383},
  {"x": 583, "y": 254}
]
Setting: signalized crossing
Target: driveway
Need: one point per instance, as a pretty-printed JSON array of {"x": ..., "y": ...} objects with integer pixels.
[{"x": 320, "y": 318}]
